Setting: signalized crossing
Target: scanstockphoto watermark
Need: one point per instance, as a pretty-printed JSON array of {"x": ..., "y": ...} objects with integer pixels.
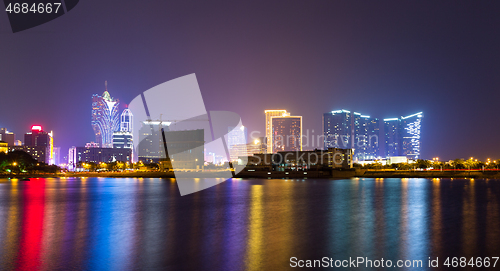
[
  {"x": 310, "y": 140},
  {"x": 357, "y": 262},
  {"x": 303, "y": 159}
]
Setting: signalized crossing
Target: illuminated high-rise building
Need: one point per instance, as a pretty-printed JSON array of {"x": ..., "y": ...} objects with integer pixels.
[
  {"x": 123, "y": 137},
  {"x": 410, "y": 135},
  {"x": 337, "y": 129},
  {"x": 126, "y": 120},
  {"x": 402, "y": 136},
  {"x": 286, "y": 133},
  {"x": 269, "y": 128},
  {"x": 366, "y": 137},
  {"x": 105, "y": 118},
  {"x": 352, "y": 130},
  {"x": 39, "y": 138},
  {"x": 392, "y": 137}
]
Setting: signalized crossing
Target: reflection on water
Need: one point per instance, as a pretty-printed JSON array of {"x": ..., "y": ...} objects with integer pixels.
[{"x": 122, "y": 224}]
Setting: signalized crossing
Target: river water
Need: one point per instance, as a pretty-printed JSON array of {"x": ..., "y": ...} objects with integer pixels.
[{"x": 240, "y": 224}]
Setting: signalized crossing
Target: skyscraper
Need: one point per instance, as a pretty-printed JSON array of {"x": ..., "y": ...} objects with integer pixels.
[
  {"x": 40, "y": 139},
  {"x": 126, "y": 120},
  {"x": 269, "y": 128},
  {"x": 123, "y": 137},
  {"x": 366, "y": 137},
  {"x": 410, "y": 133},
  {"x": 337, "y": 129},
  {"x": 402, "y": 136},
  {"x": 343, "y": 129},
  {"x": 105, "y": 118},
  {"x": 286, "y": 133},
  {"x": 392, "y": 137},
  {"x": 150, "y": 140}
]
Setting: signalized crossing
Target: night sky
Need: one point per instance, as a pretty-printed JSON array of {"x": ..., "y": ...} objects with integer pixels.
[{"x": 383, "y": 59}]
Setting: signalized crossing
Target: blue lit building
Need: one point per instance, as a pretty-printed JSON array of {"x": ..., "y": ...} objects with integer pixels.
[
  {"x": 402, "y": 136},
  {"x": 337, "y": 129},
  {"x": 392, "y": 137},
  {"x": 366, "y": 137},
  {"x": 353, "y": 130},
  {"x": 343, "y": 129},
  {"x": 410, "y": 131}
]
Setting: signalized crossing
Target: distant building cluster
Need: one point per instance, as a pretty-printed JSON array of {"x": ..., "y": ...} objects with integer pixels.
[
  {"x": 364, "y": 134},
  {"x": 38, "y": 143},
  {"x": 113, "y": 134}
]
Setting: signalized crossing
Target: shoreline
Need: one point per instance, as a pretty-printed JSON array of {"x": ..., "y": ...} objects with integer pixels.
[{"x": 271, "y": 175}]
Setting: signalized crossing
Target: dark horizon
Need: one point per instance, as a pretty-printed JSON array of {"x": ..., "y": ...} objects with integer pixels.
[{"x": 385, "y": 60}]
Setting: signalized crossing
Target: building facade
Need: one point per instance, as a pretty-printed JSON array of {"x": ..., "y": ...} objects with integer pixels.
[
  {"x": 105, "y": 118},
  {"x": 338, "y": 129},
  {"x": 399, "y": 137},
  {"x": 410, "y": 134},
  {"x": 286, "y": 133},
  {"x": 123, "y": 140},
  {"x": 97, "y": 155},
  {"x": 150, "y": 141},
  {"x": 7, "y": 136},
  {"x": 392, "y": 137},
  {"x": 353, "y": 130},
  {"x": 126, "y": 121},
  {"x": 39, "y": 138},
  {"x": 366, "y": 137},
  {"x": 269, "y": 127},
  {"x": 402, "y": 136}
]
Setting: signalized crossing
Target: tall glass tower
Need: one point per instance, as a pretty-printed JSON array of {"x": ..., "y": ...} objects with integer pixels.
[
  {"x": 105, "y": 118},
  {"x": 269, "y": 126},
  {"x": 123, "y": 138},
  {"x": 410, "y": 133},
  {"x": 286, "y": 133},
  {"x": 392, "y": 137},
  {"x": 126, "y": 120},
  {"x": 402, "y": 136},
  {"x": 337, "y": 129},
  {"x": 366, "y": 137}
]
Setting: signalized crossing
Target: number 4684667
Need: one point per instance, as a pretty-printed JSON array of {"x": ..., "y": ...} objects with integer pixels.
[
  {"x": 34, "y": 8},
  {"x": 474, "y": 261}
]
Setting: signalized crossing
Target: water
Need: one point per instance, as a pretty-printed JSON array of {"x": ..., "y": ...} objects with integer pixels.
[{"x": 128, "y": 224}]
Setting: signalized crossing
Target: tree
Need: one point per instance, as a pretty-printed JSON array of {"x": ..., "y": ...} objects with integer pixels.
[
  {"x": 423, "y": 163},
  {"x": 458, "y": 164}
]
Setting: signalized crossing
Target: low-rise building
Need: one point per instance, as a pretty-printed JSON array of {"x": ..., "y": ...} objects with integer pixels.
[{"x": 97, "y": 155}]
